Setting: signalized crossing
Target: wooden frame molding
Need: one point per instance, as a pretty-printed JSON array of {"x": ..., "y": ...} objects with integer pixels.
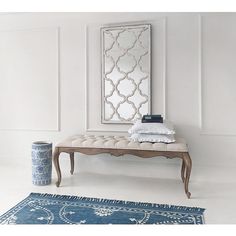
[{"x": 185, "y": 169}]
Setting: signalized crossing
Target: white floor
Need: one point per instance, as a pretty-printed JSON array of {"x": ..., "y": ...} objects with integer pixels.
[{"x": 217, "y": 197}]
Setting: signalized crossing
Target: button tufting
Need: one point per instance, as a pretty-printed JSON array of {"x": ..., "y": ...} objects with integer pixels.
[{"x": 120, "y": 142}]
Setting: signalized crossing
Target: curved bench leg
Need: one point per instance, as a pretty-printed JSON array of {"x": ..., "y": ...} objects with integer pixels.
[
  {"x": 56, "y": 155},
  {"x": 72, "y": 162},
  {"x": 183, "y": 171},
  {"x": 188, "y": 164}
]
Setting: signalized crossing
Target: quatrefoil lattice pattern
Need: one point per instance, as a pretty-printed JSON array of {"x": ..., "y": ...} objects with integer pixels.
[{"x": 126, "y": 60}]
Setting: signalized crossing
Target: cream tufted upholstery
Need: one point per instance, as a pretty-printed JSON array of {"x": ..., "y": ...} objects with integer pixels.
[{"x": 121, "y": 142}]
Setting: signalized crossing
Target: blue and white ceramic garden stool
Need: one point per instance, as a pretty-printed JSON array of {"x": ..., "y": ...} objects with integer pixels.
[{"x": 41, "y": 163}]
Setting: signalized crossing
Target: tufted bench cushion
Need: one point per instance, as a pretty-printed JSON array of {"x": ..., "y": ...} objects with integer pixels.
[
  {"x": 120, "y": 145},
  {"x": 121, "y": 142}
]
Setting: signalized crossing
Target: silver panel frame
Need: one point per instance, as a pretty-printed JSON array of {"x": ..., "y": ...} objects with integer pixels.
[{"x": 102, "y": 29}]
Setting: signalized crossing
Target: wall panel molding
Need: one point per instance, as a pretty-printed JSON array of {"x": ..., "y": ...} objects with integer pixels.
[
  {"x": 202, "y": 116},
  {"x": 28, "y": 34},
  {"x": 200, "y": 70},
  {"x": 164, "y": 78}
]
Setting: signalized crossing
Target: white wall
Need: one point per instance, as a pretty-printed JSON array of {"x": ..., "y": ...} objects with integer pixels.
[{"x": 193, "y": 84}]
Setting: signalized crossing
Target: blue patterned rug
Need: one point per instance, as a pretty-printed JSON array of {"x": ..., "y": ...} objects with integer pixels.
[{"x": 62, "y": 209}]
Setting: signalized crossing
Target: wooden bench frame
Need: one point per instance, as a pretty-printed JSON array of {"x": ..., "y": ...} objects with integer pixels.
[{"x": 185, "y": 169}]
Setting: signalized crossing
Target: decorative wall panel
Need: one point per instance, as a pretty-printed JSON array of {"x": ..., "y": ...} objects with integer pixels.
[
  {"x": 29, "y": 79},
  {"x": 126, "y": 62},
  {"x": 218, "y": 82}
]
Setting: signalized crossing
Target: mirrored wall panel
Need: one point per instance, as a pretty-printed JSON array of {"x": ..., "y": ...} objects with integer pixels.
[{"x": 126, "y": 71}]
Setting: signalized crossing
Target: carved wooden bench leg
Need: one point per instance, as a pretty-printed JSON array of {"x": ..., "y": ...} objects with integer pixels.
[
  {"x": 188, "y": 165},
  {"x": 72, "y": 162},
  {"x": 56, "y": 155},
  {"x": 183, "y": 171}
]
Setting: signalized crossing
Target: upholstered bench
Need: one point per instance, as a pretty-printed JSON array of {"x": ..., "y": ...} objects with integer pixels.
[{"x": 121, "y": 145}]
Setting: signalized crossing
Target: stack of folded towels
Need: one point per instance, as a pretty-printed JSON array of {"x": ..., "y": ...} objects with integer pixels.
[{"x": 152, "y": 132}]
